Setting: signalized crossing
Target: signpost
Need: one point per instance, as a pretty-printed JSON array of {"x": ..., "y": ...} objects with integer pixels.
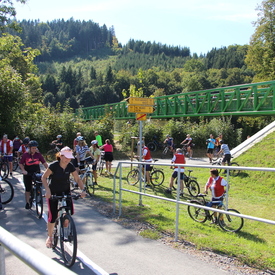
[
  {"x": 141, "y": 117},
  {"x": 140, "y": 109}
]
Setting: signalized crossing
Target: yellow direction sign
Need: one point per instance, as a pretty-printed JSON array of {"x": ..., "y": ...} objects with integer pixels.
[
  {"x": 140, "y": 109},
  {"x": 141, "y": 116},
  {"x": 141, "y": 101}
]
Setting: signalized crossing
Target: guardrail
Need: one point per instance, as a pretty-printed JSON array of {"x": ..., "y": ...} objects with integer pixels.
[
  {"x": 30, "y": 256},
  {"x": 177, "y": 200}
]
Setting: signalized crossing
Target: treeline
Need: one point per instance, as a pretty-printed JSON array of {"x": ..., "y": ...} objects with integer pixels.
[{"x": 61, "y": 39}]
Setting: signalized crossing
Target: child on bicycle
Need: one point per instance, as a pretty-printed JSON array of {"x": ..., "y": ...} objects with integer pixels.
[
  {"x": 217, "y": 185},
  {"x": 180, "y": 159}
]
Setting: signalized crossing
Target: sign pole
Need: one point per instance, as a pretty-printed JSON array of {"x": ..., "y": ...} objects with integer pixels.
[{"x": 140, "y": 159}]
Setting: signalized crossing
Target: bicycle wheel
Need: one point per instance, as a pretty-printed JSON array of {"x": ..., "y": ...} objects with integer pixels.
[
  {"x": 6, "y": 191},
  {"x": 5, "y": 169},
  {"x": 50, "y": 155},
  {"x": 133, "y": 177},
  {"x": 101, "y": 167},
  {"x": 89, "y": 184},
  {"x": 39, "y": 202},
  {"x": 229, "y": 222},
  {"x": 157, "y": 177},
  {"x": 197, "y": 214},
  {"x": 68, "y": 239},
  {"x": 55, "y": 233},
  {"x": 218, "y": 164},
  {"x": 15, "y": 164},
  {"x": 234, "y": 173},
  {"x": 193, "y": 188},
  {"x": 152, "y": 146}
]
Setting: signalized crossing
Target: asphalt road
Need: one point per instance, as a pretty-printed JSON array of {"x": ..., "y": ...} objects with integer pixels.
[{"x": 101, "y": 242}]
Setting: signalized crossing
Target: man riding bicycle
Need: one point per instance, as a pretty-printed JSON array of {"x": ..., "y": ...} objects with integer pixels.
[{"x": 169, "y": 141}]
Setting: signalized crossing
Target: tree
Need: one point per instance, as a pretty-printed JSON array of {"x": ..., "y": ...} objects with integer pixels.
[{"x": 261, "y": 52}]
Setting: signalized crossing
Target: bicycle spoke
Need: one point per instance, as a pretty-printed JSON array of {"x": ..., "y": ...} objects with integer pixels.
[
  {"x": 157, "y": 177},
  {"x": 196, "y": 213},
  {"x": 229, "y": 222},
  {"x": 133, "y": 177}
]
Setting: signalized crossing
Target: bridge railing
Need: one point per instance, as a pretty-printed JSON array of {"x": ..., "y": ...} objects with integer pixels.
[{"x": 247, "y": 99}]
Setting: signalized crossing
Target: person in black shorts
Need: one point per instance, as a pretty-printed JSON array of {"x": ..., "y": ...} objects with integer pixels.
[{"x": 58, "y": 174}]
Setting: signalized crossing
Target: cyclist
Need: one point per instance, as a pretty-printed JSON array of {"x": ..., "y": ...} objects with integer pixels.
[
  {"x": 29, "y": 164},
  {"x": 94, "y": 149},
  {"x": 98, "y": 138},
  {"x": 81, "y": 150},
  {"x": 210, "y": 147},
  {"x": 108, "y": 155},
  {"x": 169, "y": 141},
  {"x": 217, "y": 186},
  {"x": 24, "y": 147},
  {"x": 179, "y": 159},
  {"x": 6, "y": 149},
  {"x": 58, "y": 174},
  {"x": 188, "y": 142},
  {"x": 58, "y": 142},
  {"x": 218, "y": 142},
  {"x": 227, "y": 154},
  {"x": 75, "y": 140},
  {"x": 17, "y": 142},
  {"x": 146, "y": 157}
]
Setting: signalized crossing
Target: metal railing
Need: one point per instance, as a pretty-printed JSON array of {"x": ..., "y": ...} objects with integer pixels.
[
  {"x": 177, "y": 201},
  {"x": 27, "y": 254}
]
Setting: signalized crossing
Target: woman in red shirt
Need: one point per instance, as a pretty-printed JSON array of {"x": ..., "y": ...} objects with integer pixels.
[{"x": 108, "y": 156}]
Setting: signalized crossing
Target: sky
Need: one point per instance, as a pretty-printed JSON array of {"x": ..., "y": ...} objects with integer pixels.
[{"x": 199, "y": 25}]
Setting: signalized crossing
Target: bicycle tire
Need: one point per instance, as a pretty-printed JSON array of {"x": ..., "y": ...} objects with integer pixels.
[
  {"x": 157, "y": 177},
  {"x": 6, "y": 191},
  {"x": 89, "y": 185},
  {"x": 133, "y": 177},
  {"x": 218, "y": 164},
  {"x": 234, "y": 173},
  {"x": 152, "y": 146},
  {"x": 193, "y": 188},
  {"x": 39, "y": 202},
  {"x": 101, "y": 168},
  {"x": 50, "y": 155},
  {"x": 197, "y": 214},
  {"x": 68, "y": 239},
  {"x": 15, "y": 164},
  {"x": 229, "y": 222},
  {"x": 5, "y": 170},
  {"x": 55, "y": 233}
]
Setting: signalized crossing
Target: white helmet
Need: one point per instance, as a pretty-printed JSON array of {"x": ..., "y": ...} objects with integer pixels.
[{"x": 59, "y": 136}]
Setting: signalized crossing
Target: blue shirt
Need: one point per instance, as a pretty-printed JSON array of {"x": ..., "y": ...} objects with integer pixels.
[{"x": 211, "y": 145}]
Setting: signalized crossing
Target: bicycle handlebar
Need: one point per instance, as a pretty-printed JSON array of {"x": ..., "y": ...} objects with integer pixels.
[{"x": 75, "y": 197}]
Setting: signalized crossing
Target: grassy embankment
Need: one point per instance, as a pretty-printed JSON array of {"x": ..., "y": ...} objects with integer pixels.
[{"x": 252, "y": 193}]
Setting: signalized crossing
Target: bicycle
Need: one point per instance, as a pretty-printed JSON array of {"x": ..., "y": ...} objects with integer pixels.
[
  {"x": 184, "y": 149},
  {"x": 156, "y": 176},
  {"x": 65, "y": 231},
  {"x": 154, "y": 145},
  {"x": 15, "y": 162},
  {"x": 50, "y": 155},
  {"x": 216, "y": 156},
  {"x": 191, "y": 184},
  {"x": 4, "y": 167},
  {"x": 167, "y": 149},
  {"x": 233, "y": 173},
  {"x": 6, "y": 191},
  {"x": 86, "y": 176},
  {"x": 226, "y": 222},
  {"x": 36, "y": 196},
  {"x": 101, "y": 164}
]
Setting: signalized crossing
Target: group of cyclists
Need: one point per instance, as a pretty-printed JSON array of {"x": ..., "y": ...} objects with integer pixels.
[{"x": 55, "y": 179}]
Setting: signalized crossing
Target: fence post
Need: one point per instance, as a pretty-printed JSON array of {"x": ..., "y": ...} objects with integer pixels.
[{"x": 2, "y": 260}]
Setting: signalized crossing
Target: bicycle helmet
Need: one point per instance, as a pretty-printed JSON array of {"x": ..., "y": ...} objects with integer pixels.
[
  {"x": 80, "y": 138},
  {"x": 59, "y": 136},
  {"x": 26, "y": 141},
  {"x": 33, "y": 143}
]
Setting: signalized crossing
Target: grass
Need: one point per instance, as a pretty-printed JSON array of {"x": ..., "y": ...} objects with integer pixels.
[{"x": 252, "y": 193}]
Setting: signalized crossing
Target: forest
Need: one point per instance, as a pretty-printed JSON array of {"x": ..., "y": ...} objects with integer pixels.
[{"x": 49, "y": 69}]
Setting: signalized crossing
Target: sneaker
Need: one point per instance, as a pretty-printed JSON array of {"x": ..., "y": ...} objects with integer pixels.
[
  {"x": 215, "y": 221},
  {"x": 11, "y": 174},
  {"x": 181, "y": 194},
  {"x": 222, "y": 223},
  {"x": 27, "y": 206},
  {"x": 174, "y": 188},
  {"x": 147, "y": 185},
  {"x": 94, "y": 183},
  {"x": 168, "y": 191}
]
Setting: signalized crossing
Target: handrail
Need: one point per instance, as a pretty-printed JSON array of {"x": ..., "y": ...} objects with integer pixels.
[
  {"x": 177, "y": 200},
  {"x": 30, "y": 256}
]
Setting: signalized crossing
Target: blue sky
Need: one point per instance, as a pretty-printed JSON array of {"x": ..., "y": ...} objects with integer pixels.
[{"x": 197, "y": 24}]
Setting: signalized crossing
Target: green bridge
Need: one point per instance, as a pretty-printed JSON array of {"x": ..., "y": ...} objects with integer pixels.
[{"x": 241, "y": 100}]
